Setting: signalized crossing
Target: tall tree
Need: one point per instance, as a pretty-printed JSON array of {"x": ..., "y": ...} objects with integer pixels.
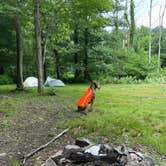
[
  {"x": 130, "y": 23},
  {"x": 150, "y": 30},
  {"x": 19, "y": 44},
  {"x": 89, "y": 16},
  {"x": 86, "y": 71},
  {"x": 76, "y": 71},
  {"x": 38, "y": 46},
  {"x": 13, "y": 10},
  {"x": 57, "y": 62},
  {"x": 161, "y": 16}
]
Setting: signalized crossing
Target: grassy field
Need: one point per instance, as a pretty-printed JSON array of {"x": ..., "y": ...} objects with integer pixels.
[
  {"x": 125, "y": 114},
  {"x": 128, "y": 114}
]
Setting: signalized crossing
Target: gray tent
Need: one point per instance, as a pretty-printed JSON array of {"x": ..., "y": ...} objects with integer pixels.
[{"x": 53, "y": 82}]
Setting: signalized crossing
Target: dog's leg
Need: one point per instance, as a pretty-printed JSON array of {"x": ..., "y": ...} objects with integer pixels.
[{"x": 91, "y": 106}]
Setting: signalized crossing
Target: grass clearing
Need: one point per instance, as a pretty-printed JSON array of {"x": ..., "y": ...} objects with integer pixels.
[{"x": 129, "y": 114}]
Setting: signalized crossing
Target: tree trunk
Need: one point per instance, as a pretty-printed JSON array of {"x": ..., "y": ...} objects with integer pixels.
[
  {"x": 161, "y": 16},
  {"x": 57, "y": 61},
  {"x": 126, "y": 35},
  {"x": 19, "y": 45},
  {"x": 2, "y": 70},
  {"x": 116, "y": 12},
  {"x": 44, "y": 39},
  {"x": 150, "y": 31},
  {"x": 38, "y": 46},
  {"x": 76, "y": 72},
  {"x": 132, "y": 23},
  {"x": 86, "y": 72},
  {"x": 44, "y": 63},
  {"x": 159, "y": 49}
]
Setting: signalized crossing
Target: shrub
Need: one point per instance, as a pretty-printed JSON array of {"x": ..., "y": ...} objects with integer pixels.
[
  {"x": 122, "y": 80},
  {"x": 4, "y": 79},
  {"x": 125, "y": 64},
  {"x": 156, "y": 77}
]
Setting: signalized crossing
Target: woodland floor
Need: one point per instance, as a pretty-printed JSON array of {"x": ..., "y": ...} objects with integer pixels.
[{"x": 129, "y": 114}]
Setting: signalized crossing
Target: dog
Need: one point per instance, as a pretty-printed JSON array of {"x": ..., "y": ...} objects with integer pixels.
[{"x": 88, "y": 98}]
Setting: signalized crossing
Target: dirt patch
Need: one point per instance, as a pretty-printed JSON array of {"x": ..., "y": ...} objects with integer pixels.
[{"x": 33, "y": 125}]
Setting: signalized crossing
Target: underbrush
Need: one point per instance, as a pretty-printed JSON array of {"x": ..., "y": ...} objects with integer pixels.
[
  {"x": 150, "y": 79},
  {"x": 5, "y": 80}
]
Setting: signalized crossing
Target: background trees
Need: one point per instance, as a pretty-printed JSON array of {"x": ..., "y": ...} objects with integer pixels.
[{"x": 75, "y": 45}]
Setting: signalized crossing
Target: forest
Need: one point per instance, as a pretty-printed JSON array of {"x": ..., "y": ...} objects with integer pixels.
[
  {"x": 75, "y": 44},
  {"x": 105, "y": 43}
]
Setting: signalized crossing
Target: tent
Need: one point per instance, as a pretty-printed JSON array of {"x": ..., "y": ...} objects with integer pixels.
[
  {"x": 53, "y": 82},
  {"x": 31, "y": 82}
]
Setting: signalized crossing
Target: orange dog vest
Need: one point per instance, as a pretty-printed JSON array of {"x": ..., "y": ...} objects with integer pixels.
[{"x": 86, "y": 98}]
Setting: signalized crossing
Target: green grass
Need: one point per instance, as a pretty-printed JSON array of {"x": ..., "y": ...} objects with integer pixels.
[{"x": 130, "y": 114}]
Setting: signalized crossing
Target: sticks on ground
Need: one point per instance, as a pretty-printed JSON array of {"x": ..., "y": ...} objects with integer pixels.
[{"x": 44, "y": 146}]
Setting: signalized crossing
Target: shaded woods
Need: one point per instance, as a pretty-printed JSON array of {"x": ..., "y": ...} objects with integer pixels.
[{"x": 70, "y": 40}]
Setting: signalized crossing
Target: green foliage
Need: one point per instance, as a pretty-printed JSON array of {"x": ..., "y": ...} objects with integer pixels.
[
  {"x": 122, "y": 80},
  {"x": 121, "y": 63},
  {"x": 156, "y": 77},
  {"x": 52, "y": 91},
  {"x": 5, "y": 80},
  {"x": 108, "y": 56}
]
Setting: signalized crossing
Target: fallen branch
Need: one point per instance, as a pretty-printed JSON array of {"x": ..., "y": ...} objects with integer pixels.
[{"x": 44, "y": 146}]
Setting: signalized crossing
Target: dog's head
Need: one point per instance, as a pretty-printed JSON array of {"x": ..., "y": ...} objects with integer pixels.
[{"x": 95, "y": 84}]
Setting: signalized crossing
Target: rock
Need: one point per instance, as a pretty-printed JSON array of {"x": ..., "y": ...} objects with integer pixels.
[
  {"x": 138, "y": 159},
  {"x": 69, "y": 150},
  {"x": 49, "y": 162},
  {"x": 94, "y": 150},
  {"x": 57, "y": 154},
  {"x": 2, "y": 155},
  {"x": 84, "y": 153},
  {"x": 148, "y": 161},
  {"x": 123, "y": 160},
  {"x": 82, "y": 142},
  {"x": 132, "y": 160},
  {"x": 69, "y": 147},
  {"x": 110, "y": 153}
]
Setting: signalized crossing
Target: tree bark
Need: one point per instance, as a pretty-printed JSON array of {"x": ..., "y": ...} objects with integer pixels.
[
  {"x": 44, "y": 62},
  {"x": 76, "y": 72},
  {"x": 86, "y": 72},
  {"x": 38, "y": 46},
  {"x": 161, "y": 16},
  {"x": 126, "y": 38},
  {"x": 132, "y": 23},
  {"x": 44, "y": 39},
  {"x": 19, "y": 45},
  {"x": 150, "y": 31},
  {"x": 116, "y": 18},
  {"x": 57, "y": 61}
]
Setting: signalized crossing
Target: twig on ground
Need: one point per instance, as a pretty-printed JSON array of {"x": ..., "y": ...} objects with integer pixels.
[{"x": 44, "y": 146}]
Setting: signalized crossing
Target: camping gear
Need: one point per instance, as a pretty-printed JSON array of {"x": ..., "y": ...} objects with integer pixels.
[
  {"x": 53, "y": 82},
  {"x": 31, "y": 82}
]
